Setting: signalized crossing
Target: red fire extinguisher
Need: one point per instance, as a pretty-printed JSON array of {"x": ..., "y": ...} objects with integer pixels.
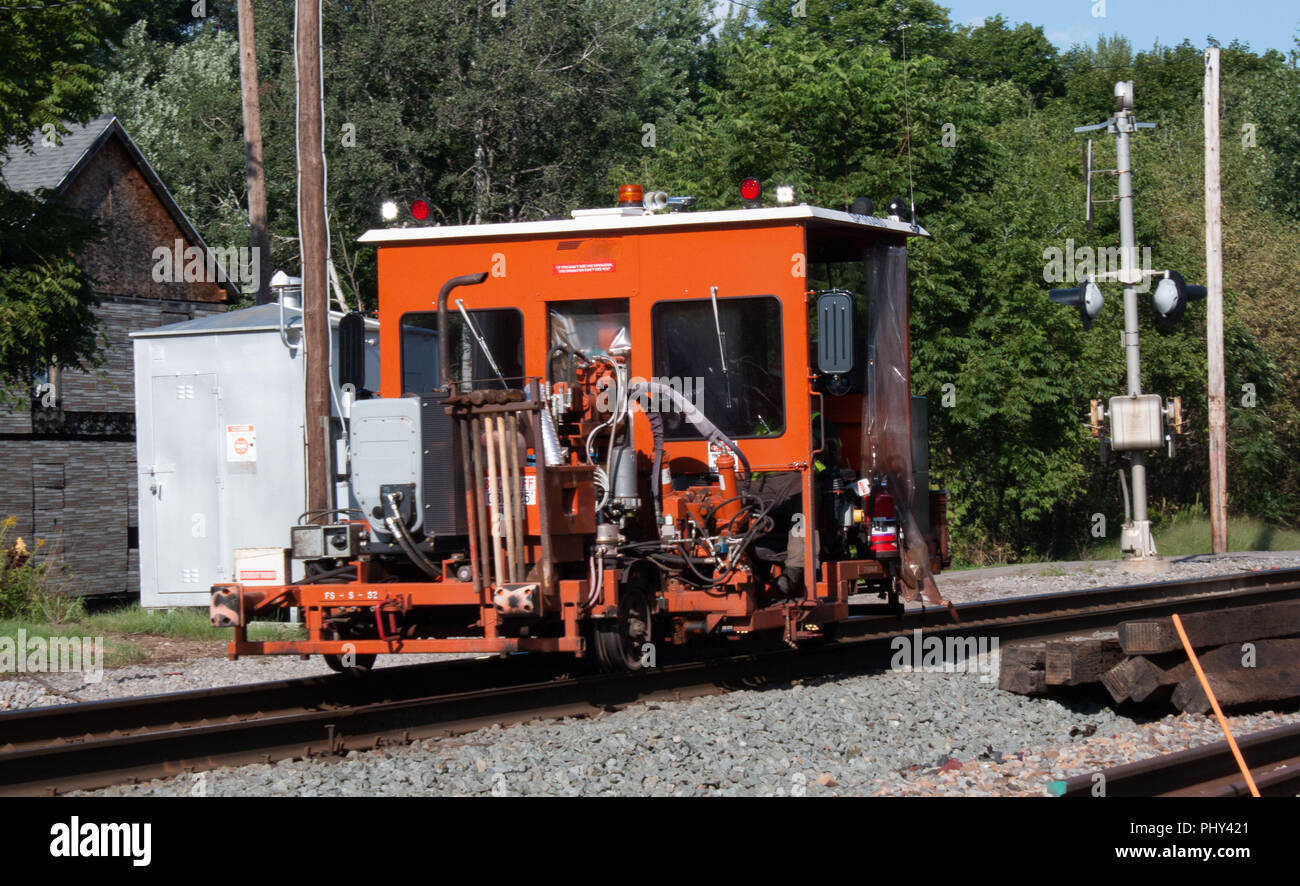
[{"x": 884, "y": 522}]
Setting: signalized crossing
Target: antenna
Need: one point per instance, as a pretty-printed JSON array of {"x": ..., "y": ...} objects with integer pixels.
[
  {"x": 907, "y": 115},
  {"x": 1087, "y": 183}
]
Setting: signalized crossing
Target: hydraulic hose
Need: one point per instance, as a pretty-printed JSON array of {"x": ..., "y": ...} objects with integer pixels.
[
  {"x": 697, "y": 419},
  {"x": 397, "y": 528}
]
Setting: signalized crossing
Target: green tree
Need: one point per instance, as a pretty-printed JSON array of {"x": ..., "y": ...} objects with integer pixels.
[
  {"x": 807, "y": 102},
  {"x": 486, "y": 117},
  {"x": 46, "y": 78},
  {"x": 921, "y": 24},
  {"x": 993, "y": 51},
  {"x": 181, "y": 105}
]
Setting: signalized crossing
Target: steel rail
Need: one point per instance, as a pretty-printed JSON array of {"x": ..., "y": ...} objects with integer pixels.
[
  {"x": 95, "y": 744},
  {"x": 1273, "y": 756}
]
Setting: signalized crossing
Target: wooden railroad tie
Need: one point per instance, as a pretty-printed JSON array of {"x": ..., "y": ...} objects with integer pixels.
[{"x": 1250, "y": 654}]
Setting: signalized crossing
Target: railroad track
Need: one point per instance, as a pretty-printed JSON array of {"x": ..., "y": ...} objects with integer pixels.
[
  {"x": 96, "y": 744},
  {"x": 1206, "y": 771}
]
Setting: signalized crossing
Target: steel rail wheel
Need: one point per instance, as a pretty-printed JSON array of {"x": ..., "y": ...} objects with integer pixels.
[
  {"x": 361, "y": 664},
  {"x": 620, "y": 640}
]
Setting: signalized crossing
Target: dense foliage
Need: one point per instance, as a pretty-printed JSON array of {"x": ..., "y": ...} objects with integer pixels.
[
  {"x": 50, "y": 64},
  {"x": 532, "y": 112}
]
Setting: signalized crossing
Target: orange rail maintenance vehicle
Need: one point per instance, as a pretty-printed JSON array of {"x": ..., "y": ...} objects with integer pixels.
[{"x": 634, "y": 426}]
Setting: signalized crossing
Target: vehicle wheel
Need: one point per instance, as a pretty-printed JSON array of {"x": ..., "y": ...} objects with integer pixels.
[
  {"x": 619, "y": 640},
  {"x": 361, "y": 664}
]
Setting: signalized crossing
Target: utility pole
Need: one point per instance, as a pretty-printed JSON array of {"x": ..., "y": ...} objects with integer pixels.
[
  {"x": 255, "y": 172},
  {"x": 1214, "y": 310},
  {"x": 311, "y": 237}
]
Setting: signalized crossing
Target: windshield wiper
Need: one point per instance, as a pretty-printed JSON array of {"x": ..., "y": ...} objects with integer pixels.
[
  {"x": 478, "y": 337},
  {"x": 722, "y": 341}
]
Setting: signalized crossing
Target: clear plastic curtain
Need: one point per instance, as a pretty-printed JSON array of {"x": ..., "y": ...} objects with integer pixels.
[{"x": 887, "y": 411}]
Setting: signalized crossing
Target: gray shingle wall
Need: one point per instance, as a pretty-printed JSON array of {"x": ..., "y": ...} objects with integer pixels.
[
  {"x": 83, "y": 523},
  {"x": 79, "y": 495},
  {"x": 110, "y": 387},
  {"x": 15, "y": 419},
  {"x": 16, "y": 490}
]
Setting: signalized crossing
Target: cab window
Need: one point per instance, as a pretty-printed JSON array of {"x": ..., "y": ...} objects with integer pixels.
[
  {"x": 502, "y": 334},
  {"x": 729, "y": 365}
]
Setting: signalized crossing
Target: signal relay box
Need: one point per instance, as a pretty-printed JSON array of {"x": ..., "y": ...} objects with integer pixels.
[{"x": 1137, "y": 422}]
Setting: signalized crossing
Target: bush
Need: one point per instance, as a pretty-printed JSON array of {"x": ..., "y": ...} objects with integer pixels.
[{"x": 25, "y": 583}]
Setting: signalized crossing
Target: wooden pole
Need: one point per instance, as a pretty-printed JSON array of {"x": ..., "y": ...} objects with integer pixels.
[
  {"x": 255, "y": 172},
  {"x": 1214, "y": 310},
  {"x": 311, "y": 237}
]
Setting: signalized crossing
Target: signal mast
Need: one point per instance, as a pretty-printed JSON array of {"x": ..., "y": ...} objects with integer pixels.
[{"x": 1137, "y": 420}]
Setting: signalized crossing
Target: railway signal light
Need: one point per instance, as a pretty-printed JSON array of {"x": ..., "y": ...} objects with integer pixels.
[
  {"x": 419, "y": 210},
  {"x": 751, "y": 190},
  {"x": 388, "y": 212},
  {"x": 1086, "y": 297},
  {"x": 1171, "y": 297}
]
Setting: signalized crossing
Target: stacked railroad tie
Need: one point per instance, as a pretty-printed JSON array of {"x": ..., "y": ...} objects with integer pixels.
[{"x": 1250, "y": 655}]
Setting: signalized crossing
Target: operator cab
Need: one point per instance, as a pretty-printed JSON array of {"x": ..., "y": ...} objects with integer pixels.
[{"x": 631, "y": 426}]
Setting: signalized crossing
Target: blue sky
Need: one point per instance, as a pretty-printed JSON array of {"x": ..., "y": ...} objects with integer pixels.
[{"x": 1264, "y": 24}]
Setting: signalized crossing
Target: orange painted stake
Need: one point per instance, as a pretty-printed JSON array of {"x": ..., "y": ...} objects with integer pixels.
[{"x": 1214, "y": 703}]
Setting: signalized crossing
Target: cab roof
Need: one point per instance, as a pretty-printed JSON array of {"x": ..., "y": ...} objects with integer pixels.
[{"x": 832, "y": 221}]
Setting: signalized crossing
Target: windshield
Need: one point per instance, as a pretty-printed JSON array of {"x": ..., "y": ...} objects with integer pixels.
[
  {"x": 588, "y": 326},
  {"x": 731, "y": 360},
  {"x": 502, "y": 331}
]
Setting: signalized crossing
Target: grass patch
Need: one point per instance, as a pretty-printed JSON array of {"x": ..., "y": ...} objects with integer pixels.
[
  {"x": 183, "y": 624},
  {"x": 123, "y": 629},
  {"x": 1186, "y": 536},
  {"x": 118, "y": 651},
  {"x": 188, "y": 623}
]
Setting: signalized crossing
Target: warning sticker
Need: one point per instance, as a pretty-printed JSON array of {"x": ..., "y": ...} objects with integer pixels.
[
  {"x": 586, "y": 267},
  {"x": 528, "y": 489},
  {"x": 241, "y": 443},
  {"x": 715, "y": 449}
]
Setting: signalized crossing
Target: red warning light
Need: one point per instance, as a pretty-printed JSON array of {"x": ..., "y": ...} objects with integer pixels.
[
  {"x": 419, "y": 210},
  {"x": 751, "y": 190}
]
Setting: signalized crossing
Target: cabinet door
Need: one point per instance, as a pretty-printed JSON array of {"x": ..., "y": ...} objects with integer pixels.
[{"x": 183, "y": 483}]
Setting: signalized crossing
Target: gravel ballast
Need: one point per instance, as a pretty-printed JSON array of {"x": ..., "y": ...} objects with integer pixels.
[
  {"x": 891, "y": 733},
  {"x": 31, "y": 690},
  {"x": 1053, "y": 578},
  {"x": 21, "y": 691}
]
